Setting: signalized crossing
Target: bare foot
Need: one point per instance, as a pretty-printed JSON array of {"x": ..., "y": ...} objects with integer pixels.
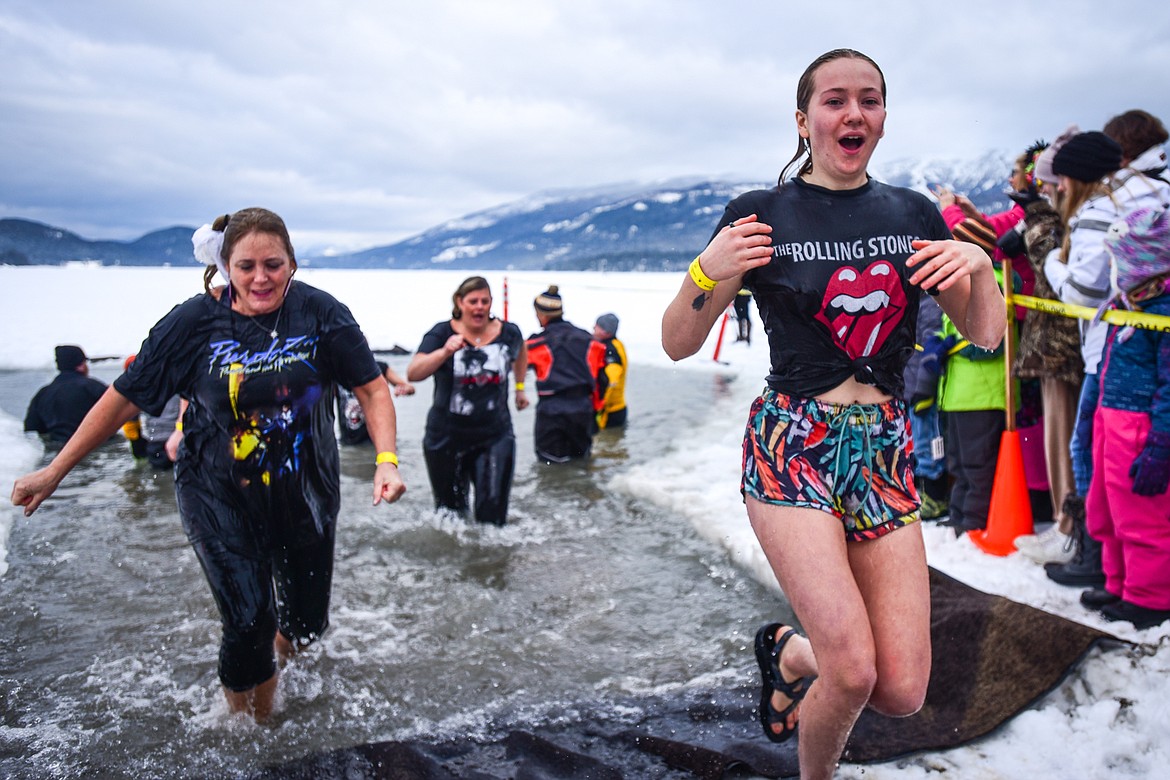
[
  {"x": 256, "y": 702},
  {"x": 779, "y": 699},
  {"x": 785, "y": 677}
]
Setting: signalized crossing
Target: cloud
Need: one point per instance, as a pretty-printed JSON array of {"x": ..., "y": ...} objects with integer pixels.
[{"x": 369, "y": 122}]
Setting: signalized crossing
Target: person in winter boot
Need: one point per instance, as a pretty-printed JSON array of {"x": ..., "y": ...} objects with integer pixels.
[
  {"x": 1128, "y": 508},
  {"x": 1096, "y": 192},
  {"x": 1049, "y": 353}
]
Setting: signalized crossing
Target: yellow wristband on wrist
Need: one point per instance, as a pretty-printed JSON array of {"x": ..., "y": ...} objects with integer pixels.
[
  {"x": 701, "y": 280},
  {"x": 179, "y": 425},
  {"x": 386, "y": 457},
  {"x": 519, "y": 386}
]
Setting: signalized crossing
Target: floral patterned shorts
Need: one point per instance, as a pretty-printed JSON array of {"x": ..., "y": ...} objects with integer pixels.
[{"x": 854, "y": 461}]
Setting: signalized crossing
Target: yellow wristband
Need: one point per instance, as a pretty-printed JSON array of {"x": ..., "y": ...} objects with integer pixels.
[
  {"x": 386, "y": 457},
  {"x": 179, "y": 425},
  {"x": 519, "y": 386},
  {"x": 701, "y": 280}
]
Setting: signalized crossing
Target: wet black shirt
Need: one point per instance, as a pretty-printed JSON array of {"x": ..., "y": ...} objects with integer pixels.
[
  {"x": 470, "y": 401},
  {"x": 835, "y": 300},
  {"x": 258, "y": 468}
]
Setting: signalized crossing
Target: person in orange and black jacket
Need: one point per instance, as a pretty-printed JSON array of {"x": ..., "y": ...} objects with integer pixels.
[
  {"x": 607, "y": 361},
  {"x": 564, "y": 409}
]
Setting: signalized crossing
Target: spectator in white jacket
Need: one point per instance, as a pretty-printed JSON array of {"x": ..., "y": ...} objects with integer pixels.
[{"x": 1095, "y": 192}]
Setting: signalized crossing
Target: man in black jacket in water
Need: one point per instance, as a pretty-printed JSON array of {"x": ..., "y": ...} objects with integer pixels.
[{"x": 59, "y": 407}]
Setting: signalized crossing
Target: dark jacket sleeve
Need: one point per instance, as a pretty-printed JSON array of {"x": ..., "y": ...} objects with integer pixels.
[{"x": 32, "y": 419}]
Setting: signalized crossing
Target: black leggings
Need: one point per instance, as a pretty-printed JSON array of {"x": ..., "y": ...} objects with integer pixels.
[
  {"x": 290, "y": 589},
  {"x": 454, "y": 468}
]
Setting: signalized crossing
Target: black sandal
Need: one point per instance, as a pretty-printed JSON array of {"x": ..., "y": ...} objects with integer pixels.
[{"x": 768, "y": 651}]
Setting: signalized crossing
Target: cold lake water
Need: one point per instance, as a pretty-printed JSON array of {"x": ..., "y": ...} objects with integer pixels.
[{"x": 598, "y": 588}]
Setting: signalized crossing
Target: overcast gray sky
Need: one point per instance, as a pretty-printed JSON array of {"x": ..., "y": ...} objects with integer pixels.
[{"x": 365, "y": 122}]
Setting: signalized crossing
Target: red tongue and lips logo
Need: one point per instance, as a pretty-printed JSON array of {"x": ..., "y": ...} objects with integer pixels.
[{"x": 861, "y": 308}]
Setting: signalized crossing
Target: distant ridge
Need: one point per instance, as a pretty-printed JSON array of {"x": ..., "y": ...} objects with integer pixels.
[
  {"x": 618, "y": 227},
  {"x": 24, "y": 242}
]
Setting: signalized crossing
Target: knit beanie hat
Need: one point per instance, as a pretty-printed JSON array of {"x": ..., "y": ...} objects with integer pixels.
[
  {"x": 69, "y": 357},
  {"x": 549, "y": 301},
  {"x": 1140, "y": 245},
  {"x": 608, "y": 323},
  {"x": 1087, "y": 157},
  {"x": 1043, "y": 168},
  {"x": 975, "y": 232}
]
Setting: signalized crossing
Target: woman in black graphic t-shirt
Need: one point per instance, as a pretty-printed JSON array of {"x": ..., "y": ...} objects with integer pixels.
[
  {"x": 469, "y": 440},
  {"x": 836, "y": 263},
  {"x": 257, "y": 478}
]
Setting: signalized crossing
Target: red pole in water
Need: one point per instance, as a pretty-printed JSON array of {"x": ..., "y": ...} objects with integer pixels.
[
  {"x": 505, "y": 299},
  {"x": 719, "y": 341}
]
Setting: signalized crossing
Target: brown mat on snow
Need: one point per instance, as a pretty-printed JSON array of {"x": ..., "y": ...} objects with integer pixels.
[{"x": 992, "y": 658}]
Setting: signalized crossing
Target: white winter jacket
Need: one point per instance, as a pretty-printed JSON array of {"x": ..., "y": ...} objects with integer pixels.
[{"x": 1084, "y": 280}]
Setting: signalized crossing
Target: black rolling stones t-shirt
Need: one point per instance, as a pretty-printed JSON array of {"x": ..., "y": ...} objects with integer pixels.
[
  {"x": 258, "y": 467},
  {"x": 835, "y": 300},
  {"x": 471, "y": 387}
]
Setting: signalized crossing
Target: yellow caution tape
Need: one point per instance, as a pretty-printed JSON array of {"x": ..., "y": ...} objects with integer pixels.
[{"x": 1120, "y": 317}]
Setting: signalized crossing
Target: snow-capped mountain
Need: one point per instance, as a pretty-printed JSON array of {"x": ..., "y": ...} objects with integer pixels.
[
  {"x": 635, "y": 227},
  {"x": 619, "y": 227}
]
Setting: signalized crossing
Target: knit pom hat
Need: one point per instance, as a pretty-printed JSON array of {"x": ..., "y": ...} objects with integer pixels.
[
  {"x": 1140, "y": 245},
  {"x": 1087, "y": 157},
  {"x": 549, "y": 301},
  {"x": 975, "y": 232}
]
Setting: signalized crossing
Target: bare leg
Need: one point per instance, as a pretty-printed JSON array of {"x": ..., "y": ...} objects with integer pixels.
[
  {"x": 256, "y": 702},
  {"x": 895, "y": 584},
  {"x": 875, "y": 646},
  {"x": 285, "y": 649}
]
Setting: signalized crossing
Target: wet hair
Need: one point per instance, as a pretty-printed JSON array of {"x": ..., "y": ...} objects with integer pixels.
[
  {"x": 804, "y": 93},
  {"x": 243, "y": 223},
  {"x": 1135, "y": 131},
  {"x": 469, "y": 285}
]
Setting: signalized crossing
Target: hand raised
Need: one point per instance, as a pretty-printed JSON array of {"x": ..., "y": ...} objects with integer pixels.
[{"x": 740, "y": 246}]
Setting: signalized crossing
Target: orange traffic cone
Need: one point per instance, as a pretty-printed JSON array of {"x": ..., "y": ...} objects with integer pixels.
[{"x": 1010, "y": 513}]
